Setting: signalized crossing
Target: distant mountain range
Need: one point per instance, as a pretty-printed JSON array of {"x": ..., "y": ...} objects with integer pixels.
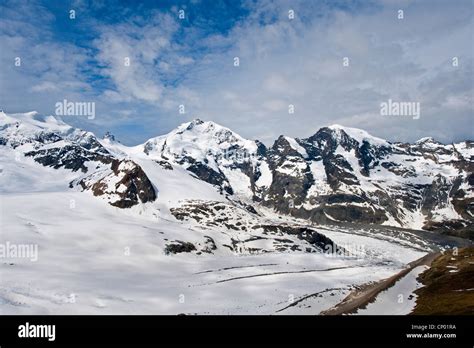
[{"x": 339, "y": 174}]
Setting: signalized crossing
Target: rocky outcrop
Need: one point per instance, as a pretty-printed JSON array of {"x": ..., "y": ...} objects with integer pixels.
[
  {"x": 179, "y": 247},
  {"x": 249, "y": 234},
  {"x": 72, "y": 156},
  {"x": 124, "y": 186}
]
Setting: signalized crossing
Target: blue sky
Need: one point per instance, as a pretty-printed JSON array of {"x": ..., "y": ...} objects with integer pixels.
[{"x": 283, "y": 61}]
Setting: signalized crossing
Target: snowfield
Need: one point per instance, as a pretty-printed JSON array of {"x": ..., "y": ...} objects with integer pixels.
[
  {"x": 93, "y": 259},
  {"x": 97, "y": 259}
]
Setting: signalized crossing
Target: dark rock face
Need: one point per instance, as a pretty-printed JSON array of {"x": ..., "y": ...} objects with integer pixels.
[
  {"x": 326, "y": 140},
  {"x": 314, "y": 238},
  {"x": 131, "y": 188},
  {"x": 369, "y": 156},
  {"x": 398, "y": 169},
  {"x": 210, "y": 245},
  {"x": 209, "y": 175},
  {"x": 179, "y": 247},
  {"x": 291, "y": 177},
  {"x": 338, "y": 171},
  {"x": 438, "y": 195},
  {"x": 41, "y": 138},
  {"x": 165, "y": 165},
  {"x": 435, "y": 195},
  {"x": 71, "y": 157},
  {"x": 459, "y": 196},
  {"x": 459, "y": 228}
]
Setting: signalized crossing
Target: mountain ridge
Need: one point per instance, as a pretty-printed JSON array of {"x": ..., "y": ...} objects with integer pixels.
[{"x": 339, "y": 173}]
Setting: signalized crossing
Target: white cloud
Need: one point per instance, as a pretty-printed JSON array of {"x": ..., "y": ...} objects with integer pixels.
[
  {"x": 282, "y": 62},
  {"x": 45, "y": 86},
  {"x": 301, "y": 63}
]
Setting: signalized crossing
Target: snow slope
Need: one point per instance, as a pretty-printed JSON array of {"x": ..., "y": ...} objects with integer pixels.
[{"x": 94, "y": 259}]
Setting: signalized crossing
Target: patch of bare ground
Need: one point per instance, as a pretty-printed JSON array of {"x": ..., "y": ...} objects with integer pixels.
[{"x": 448, "y": 285}]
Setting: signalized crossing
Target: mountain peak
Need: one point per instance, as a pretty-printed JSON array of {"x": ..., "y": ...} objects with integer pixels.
[
  {"x": 33, "y": 120},
  {"x": 197, "y": 138},
  {"x": 197, "y": 121},
  {"x": 359, "y": 134},
  {"x": 109, "y": 136},
  {"x": 426, "y": 140}
]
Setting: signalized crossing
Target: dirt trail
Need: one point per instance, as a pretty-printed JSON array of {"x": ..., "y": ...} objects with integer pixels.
[{"x": 367, "y": 293}]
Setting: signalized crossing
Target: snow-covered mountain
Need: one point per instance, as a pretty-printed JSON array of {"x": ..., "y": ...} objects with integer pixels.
[
  {"x": 211, "y": 152},
  {"x": 339, "y": 174},
  {"x": 345, "y": 174},
  {"x": 55, "y": 144},
  {"x": 196, "y": 220}
]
